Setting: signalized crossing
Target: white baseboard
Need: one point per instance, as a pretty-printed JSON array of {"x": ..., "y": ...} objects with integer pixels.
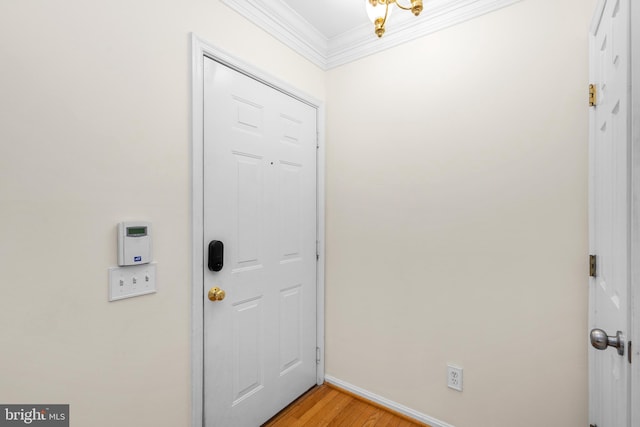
[{"x": 386, "y": 402}]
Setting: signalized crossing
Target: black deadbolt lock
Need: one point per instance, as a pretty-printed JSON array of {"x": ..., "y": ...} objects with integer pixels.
[{"x": 216, "y": 255}]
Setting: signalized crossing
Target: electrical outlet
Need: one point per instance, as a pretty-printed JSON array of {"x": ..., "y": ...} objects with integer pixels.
[{"x": 454, "y": 377}]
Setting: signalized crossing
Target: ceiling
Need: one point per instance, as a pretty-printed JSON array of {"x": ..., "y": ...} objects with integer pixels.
[
  {"x": 331, "y": 17},
  {"x": 331, "y": 33}
]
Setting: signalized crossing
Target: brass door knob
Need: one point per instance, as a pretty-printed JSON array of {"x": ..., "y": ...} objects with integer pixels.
[{"x": 216, "y": 294}]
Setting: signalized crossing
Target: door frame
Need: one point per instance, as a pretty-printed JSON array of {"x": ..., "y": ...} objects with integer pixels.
[
  {"x": 199, "y": 50},
  {"x": 635, "y": 211}
]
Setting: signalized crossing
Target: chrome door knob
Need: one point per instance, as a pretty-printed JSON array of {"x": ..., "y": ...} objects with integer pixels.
[{"x": 601, "y": 341}]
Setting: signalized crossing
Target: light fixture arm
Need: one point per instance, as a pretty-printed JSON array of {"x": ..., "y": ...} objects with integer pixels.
[
  {"x": 415, "y": 8},
  {"x": 380, "y": 21}
]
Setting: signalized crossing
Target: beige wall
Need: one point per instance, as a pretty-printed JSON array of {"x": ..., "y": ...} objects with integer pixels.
[
  {"x": 95, "y": 123},
  {"x": 457, "y": 219},
  {"x": 456, "y": 209}
]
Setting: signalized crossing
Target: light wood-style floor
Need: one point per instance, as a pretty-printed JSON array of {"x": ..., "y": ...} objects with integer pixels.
[{"x": 328, "y": 406}]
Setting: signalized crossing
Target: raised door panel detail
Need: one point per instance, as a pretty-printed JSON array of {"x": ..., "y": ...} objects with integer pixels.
[
  {"x": 615, "y": 393},
  {"x": 249, "y": 116},
  {"x": 618, "y": 38},
  {"x": 290, "y": 129},
  {"x": 249, "y": 201},
  {"x": 290, "y": 225},
  {"x": 247, "y": 349},
  {"x": 603, "y": 90},
  {"x": 290, "y": 329},
  {"x": 604, "y": 209},
  {"x": 618, "y": 178}
]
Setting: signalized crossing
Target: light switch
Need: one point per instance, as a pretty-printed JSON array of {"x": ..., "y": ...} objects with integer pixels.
[{"x": 132, "y": 281}]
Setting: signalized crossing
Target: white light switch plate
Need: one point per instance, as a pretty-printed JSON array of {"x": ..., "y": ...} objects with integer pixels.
[{"x": 132, "y": 281}]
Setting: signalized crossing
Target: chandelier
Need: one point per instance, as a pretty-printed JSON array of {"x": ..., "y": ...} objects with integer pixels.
[{"x": 380, "y": 10}]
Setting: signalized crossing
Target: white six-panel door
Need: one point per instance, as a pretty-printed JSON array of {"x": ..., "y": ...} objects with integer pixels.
[
  {"x": 609, "y": 212},
  {"x": 260, "y": 201}
]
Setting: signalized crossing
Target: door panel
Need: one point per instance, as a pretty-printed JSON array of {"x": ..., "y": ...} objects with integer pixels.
[
  {"x": 260, "y": 201},
  {"x": 609, "y": 211},
  {"x": 247, "y": 350}
]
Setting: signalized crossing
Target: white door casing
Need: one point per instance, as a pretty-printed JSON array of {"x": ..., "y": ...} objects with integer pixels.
[
  {"x": 300, "y": 297},
  {"x": 609, "y": 212}
]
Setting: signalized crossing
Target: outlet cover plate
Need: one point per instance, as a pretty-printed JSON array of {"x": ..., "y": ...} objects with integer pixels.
[
  {"x": 132, "y": 281},
  {"x": 454, "y": 377}
]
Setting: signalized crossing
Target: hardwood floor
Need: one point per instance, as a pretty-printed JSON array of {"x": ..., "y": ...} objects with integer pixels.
[{"x": 329, "y": 406}]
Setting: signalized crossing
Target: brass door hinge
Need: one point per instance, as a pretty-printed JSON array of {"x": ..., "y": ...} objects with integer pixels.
[
  {"x": 593, "y": 266},
  {"x": 593, "y": 96}
]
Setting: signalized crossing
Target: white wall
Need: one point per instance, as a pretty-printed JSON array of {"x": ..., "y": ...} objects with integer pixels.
[
  {"x": 95, "y": 127},
  {"x": 457, "y": 219}
]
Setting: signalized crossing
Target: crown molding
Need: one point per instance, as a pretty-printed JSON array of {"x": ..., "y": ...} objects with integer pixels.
[{"x": 285, "y": 24}]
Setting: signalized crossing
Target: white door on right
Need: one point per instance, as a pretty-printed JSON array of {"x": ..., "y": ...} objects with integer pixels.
[{"x": 609, "y": 207}]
